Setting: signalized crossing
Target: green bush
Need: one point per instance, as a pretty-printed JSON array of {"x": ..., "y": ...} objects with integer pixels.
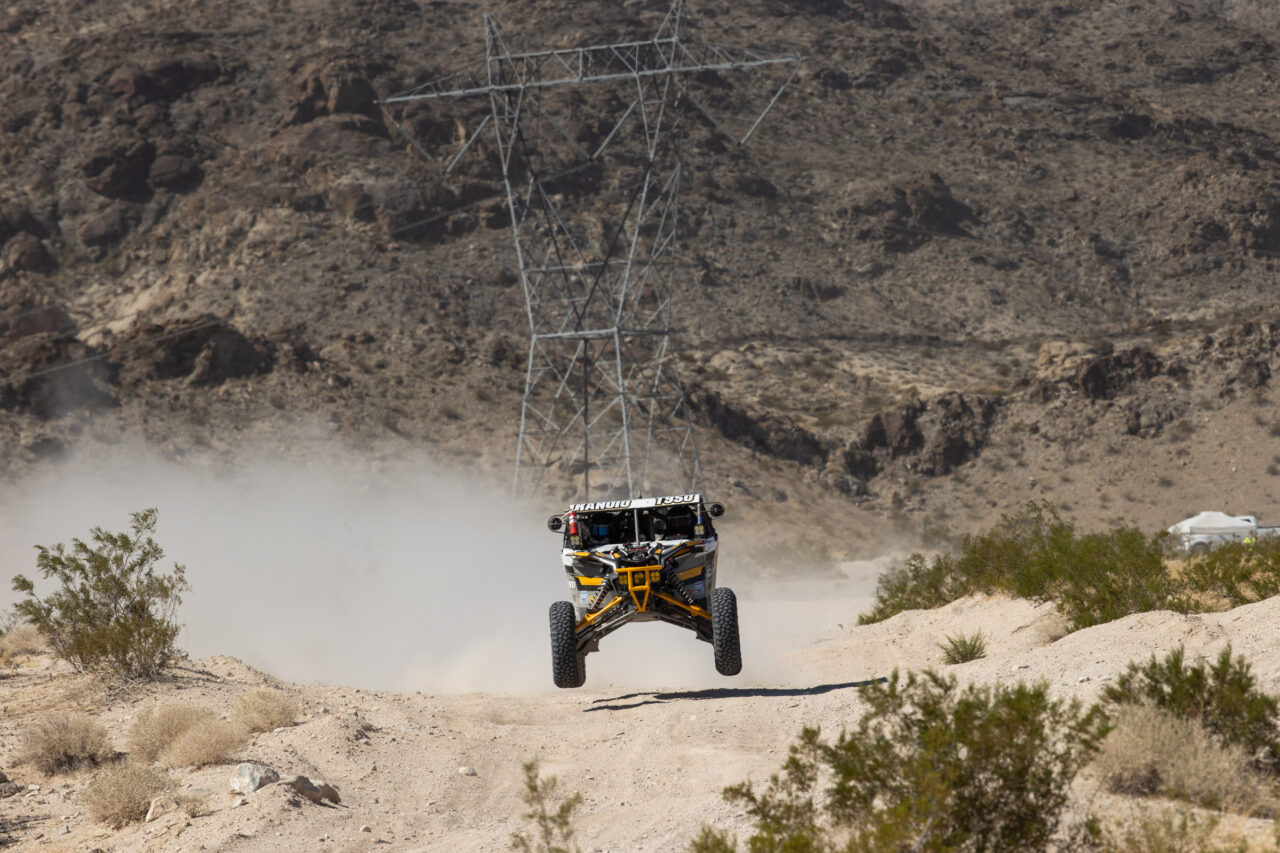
[
  {"x": 918, "y": 584},
  {"x": 1222, "y": 697},
  {"x": 929, "y": 767},
  {"x": 1236, "y": 573},
  {"x": 1093, "y": 578},
  {"x": 112, "y": 613},
  {"x": 554, "y": 829},
  {"x": 962, "y": 649}
]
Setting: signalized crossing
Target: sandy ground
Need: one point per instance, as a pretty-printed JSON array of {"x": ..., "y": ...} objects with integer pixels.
[{"x": 649, "y": 758}]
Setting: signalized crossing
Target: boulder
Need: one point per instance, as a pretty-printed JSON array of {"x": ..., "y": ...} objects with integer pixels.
[
  {"x": 1100, "y": 377},
  {"x": 105, "y": 227},
  {"x": 15, "y": 217},
  {"x": 330, "y": 87},
  {"x": 174, "y": 172},
  {"x": 160, "y": 806},
  {"x": 895, "y": 429},
  {"x": 251, "y": 775},
  {"x": 956, "y": 429},
  {"x": 316, "y": 791},
  {"x": 8, "y": 788},
  {"x": 162, "y": 79},
  {"x": 118, "y": 169},
  {"x": 1056, "y": 360},
  {"x": 27, "y": 252},
  {"x": 23, "y": 313}
]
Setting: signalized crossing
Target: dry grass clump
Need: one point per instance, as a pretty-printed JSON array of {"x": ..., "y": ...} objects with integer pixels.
[
  {"x": 155, "y": 729},
  {"x": 1169, "y": 833},
  {"x": 210, "y": 741},
  {"x": 21, "y": 640},
  {"x": 122, "y": 793},
  {"x": 194, "y": 805},
  {"x": 184, "y": 736},
  {"x": 1153, "y": 752},
  {"x": 263, "y": 710},
  {"x": 64, "y": 741}
]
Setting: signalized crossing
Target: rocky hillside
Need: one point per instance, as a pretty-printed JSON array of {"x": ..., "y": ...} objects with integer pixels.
[{"x": 981, "y": 252}]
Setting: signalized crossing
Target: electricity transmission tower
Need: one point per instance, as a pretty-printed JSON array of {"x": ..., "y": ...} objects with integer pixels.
[{"x": 603, "y": 400}]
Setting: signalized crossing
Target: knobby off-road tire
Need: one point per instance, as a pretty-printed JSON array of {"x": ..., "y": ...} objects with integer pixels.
[
  {"x": 568, "y": 668},
  {"x": 724, "y": 631}
]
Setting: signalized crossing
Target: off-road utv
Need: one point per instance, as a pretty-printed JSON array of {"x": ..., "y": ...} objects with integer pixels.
[{"x": 636, "y": 561}]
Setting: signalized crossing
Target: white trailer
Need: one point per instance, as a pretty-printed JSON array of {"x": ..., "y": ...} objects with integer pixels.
[{"x": 1199, "y": 533}]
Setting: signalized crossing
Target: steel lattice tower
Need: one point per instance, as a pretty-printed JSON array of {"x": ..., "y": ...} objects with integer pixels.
[{"x": 603, "y": 398}]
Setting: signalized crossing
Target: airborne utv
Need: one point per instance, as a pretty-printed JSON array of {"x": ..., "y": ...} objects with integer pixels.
[{"x": 636, "y": 561}]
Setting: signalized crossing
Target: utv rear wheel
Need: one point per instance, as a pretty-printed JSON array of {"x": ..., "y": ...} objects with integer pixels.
[
  {"x": 568, "y": 668},
  {"x": 724, "y": 631}
]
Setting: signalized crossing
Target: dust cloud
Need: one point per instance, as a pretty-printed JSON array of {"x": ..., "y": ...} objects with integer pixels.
[{"x": 399, "y": 576}]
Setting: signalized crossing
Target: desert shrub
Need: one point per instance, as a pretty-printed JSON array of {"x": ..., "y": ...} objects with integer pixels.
[
  {"x": 208, "y": 741},
  {"x": 21, "y": 640},
  {"x": 1093, "y": 578},
  {"x": 1236, "y": 573},
  {"x": 962, "y": 649},
  {"x": 122, "y": 793},
  {"x": 112, "y": 613},
  {"x": 1222, "y": 697},
  {"x": 1153, "y": 752},
  {"x": 553, "y": 832},
  {"x": 193, "y": 804},
  {"x": 929, "y": 767},
  {"x": 63, "y": 741},
  {"x": 918, "y": 584},
  {"x": 154, "y": 729},
  {"x": 262, "y": 710}
]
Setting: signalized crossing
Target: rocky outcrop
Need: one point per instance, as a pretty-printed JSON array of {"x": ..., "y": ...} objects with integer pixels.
[
  {"x": 204, "y": 350},
  {"x": 163, "y": 79},
  {"x": 933, "y": 437},
  {"x": 50, "y": 374},
  {"x": 325, "y": 87},
  {"x": 23, "y": 313},
  {"x": 775, "y": 435},
  {"x": 119, "y": 168},
  {"x": 905, "y": 217}
]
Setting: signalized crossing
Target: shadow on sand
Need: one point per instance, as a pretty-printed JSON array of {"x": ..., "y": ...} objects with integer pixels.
[{"x": 619, "y": 703}]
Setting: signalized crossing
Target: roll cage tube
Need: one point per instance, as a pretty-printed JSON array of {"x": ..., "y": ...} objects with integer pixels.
[{"x": 636, "y": 525}]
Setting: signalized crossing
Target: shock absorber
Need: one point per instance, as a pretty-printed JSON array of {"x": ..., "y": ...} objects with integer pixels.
[{"x": 669, "y": 575}]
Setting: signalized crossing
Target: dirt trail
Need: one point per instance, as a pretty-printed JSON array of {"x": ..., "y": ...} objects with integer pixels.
[{"x": 649, "y": 754}]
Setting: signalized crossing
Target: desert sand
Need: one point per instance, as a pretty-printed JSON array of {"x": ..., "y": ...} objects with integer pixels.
[{"x": 649, "y": 755}]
